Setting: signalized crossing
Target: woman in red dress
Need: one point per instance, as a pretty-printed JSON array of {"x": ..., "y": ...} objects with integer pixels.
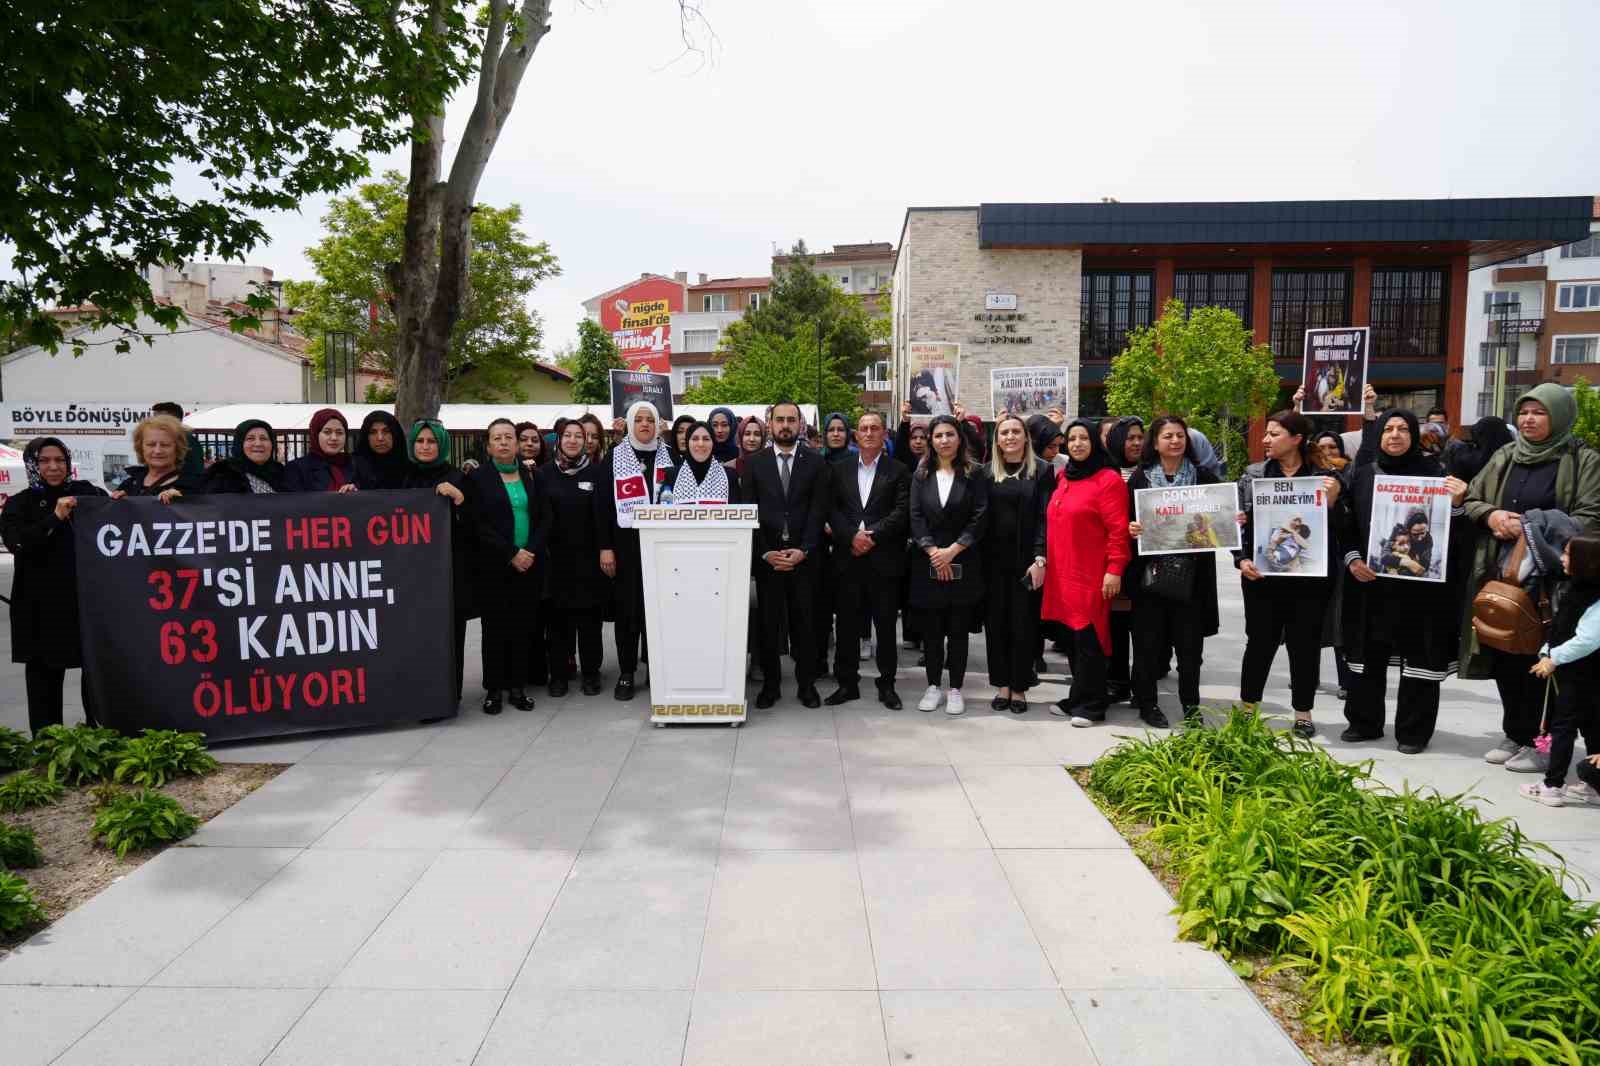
[{"x": 1086, "y": 550}]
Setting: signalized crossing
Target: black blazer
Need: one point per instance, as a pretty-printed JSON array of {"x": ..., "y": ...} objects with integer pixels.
[
  {"x": 801, "y": 512},
  {"x": 964, "y": 519},
  {"x": 887, "y": 514},
  {"x": 312, "y": 473},
  {"x": 496, "y": 527},
  {"x": 1029, "y": 543}
]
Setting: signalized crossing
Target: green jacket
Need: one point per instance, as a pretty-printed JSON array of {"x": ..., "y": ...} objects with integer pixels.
[{"x": 1577, "y": 494}]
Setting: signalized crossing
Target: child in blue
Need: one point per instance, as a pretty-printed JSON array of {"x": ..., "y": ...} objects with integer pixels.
[{"x": 1573, "y": 659}]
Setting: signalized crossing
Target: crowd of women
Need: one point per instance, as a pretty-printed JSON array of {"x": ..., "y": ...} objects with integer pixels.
[{"x": 1024, "y": 531}]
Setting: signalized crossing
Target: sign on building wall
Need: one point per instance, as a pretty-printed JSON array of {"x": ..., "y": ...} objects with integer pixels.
[
  {"x": 100, "y": 435},
  {"x": 1335, "y": 371},
  {"x": 639, "y": 319},
  {"x": 932, "y": 372},
  {"x": 1028, "y": 390}
]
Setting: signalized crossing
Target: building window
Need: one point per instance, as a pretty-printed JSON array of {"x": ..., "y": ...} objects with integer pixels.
[
  {"x": 1583, "y": 297},
  {"x": 1576, "y": 350},
  {"x": 1215, "y": 288},
  {"x": 700, "y": 340},
  {"x": 1587, "y": 248},
  {"x": 1518, "y": 356},
  {"x": 1496, "y": 299},
  {"x": 757, "y": 299},
  {"x": 715, "y": 301},
  {"x": 1408, "y": 311},
  {"x": 1306, "y": 299},
  {"x": 876, "y": 378},
  {"x": 1114, "y": 302},
  {"x": 691, "y": 378}
]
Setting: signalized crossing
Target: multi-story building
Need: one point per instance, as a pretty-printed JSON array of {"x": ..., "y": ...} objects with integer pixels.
[
  {"x": 712, "y": 304},
  {"x": 1074, "y": 279},
  {"x": 863, "y": 270},
  {"x": 1531, "y": 319}
]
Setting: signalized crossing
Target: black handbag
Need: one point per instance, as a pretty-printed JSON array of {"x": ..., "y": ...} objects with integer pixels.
[{"x": 1170, "y": 577}]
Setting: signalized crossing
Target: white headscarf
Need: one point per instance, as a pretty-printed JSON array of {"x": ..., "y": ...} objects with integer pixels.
[{"x": 627, "y": 426}]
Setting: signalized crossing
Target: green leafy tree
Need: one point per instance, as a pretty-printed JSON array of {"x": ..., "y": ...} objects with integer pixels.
[
  {"x": 767, "y": 368},
  {"x": 1200, "y": 365},
  {"x": 800, "y": 299},
  {"x": 143, "y": 134},
  {"x": 591, "y": 367},
  {"x": 1587, "y": 427},
  {"x": 497, "y": 336}
]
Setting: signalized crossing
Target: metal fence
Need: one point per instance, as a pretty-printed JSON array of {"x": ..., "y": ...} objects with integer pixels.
[{"x": 215, "y": 444}]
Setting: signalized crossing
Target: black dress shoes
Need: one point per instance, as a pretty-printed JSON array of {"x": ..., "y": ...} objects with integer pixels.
[
  {"x": 809, "y": 697},
  {"x": 591, "y": 685},
  {"x": 558, "y": 687},
  {"x": 624, "y": 689},
  {"x": 766, "y": 698},
  {"x": 1019, "y": 705},
  {"x": 520, "y": 700},
  {"x": 491, "y": 703},
  {"x": 889, "y": 698},
  {"x": 1000, "y": 703},
  {"x": 842, "y": 696},
  {"x": 1154, "y": 718}
]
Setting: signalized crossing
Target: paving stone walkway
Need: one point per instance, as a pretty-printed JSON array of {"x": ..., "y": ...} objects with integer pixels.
[{"x": 822, "y": 887}]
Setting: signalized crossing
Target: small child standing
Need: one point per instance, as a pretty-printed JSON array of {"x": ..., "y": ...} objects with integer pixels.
[{"x": 1573, "y": 657}]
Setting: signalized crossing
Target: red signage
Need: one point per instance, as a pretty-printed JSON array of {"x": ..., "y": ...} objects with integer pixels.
[{"x": 639, "y": 319}]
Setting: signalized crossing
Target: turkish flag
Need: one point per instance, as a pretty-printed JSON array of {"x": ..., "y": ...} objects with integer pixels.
[{"x": 631, "y": 488}]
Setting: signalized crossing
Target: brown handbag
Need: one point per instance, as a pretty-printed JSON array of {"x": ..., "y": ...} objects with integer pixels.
[{"x": 1505, "y": 617}]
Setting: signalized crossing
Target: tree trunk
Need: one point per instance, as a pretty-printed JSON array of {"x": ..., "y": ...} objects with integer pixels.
[{"x": 431, "y": 279}]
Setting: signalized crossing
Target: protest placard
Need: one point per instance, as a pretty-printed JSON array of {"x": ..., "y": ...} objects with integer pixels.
[
  {"x": 1027, "y": 390},
  {"x": 1334, "y": 371},
  {"x": 1410, "y": 533},
  {"x": 932, "y": 369},
  {"x": 1289, "y": 517},
  {"x": 1195, "y": 518},
  {"x": 628, "y": 387}
]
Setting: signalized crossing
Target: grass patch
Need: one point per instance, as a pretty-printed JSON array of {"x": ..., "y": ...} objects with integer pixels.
[{"x": 1406, "y": 918}]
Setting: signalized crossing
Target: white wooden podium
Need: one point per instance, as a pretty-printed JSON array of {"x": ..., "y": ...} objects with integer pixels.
[{"x": 696, "y": 562}]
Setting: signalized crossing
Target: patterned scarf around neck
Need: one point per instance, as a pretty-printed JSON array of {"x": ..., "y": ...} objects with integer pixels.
[
  {"x": 1157, "y": 474},
  {"x": 628, "y": 485},
  {"x": 712, "y": 489}
]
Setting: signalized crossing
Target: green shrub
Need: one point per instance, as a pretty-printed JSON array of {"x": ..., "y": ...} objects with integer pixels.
[
  {"x": 159, "y": 755},
  {"x": 105, "y": 793},
  {"x": 18, "y": 909},
  {"x": 18, "y": 848},
  {"x": 1411, "y": 920},
  {"x": 138, "y": 820},
  {"x": 26, "y": 790},
  {"x": 16, "y": 751},
  {"x": 77, "y": 754}
]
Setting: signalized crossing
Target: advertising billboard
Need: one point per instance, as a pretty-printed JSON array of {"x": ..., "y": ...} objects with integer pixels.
[{"x": 639, "y": 319}]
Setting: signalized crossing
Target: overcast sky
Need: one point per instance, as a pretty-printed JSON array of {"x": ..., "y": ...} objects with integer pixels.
[{"x": 826, "y": 119}]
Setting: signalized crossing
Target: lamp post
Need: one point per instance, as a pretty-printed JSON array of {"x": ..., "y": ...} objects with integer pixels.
[{"x": 819, "y": 371}]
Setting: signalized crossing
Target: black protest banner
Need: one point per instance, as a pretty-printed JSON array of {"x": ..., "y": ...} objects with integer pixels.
[
  {"x": 628, "y": 387},
  {"x": 251, "y": 616}
]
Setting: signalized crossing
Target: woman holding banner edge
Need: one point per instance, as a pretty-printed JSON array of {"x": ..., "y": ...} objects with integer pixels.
[{"x": 428, "y": 448}]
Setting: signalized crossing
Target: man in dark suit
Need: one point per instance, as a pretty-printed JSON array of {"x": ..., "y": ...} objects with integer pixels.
[
  {"x": 869, "y": 514},
  {"x": 788, "y": 483}
]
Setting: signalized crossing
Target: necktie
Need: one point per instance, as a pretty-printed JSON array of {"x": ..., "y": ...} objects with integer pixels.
[{"x": 783, "y": 472}]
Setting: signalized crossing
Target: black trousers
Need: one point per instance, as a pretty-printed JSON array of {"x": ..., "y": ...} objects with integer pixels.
[
  {"x": 1272, "y": 618},
  {"x": 510, "y": 612},
  {"x": 45, "y": 685},
  {"x": 822, "y": 607},
  {"x": 628, "y": 635},
  {"x": 1118, "y": 674},
  {"x": 861, "y": 593},
  {"x": 787, "y": 596},
  {"x": 1521, "y": 696},
  {"x": 580, "y": 624},
  {"x": 945, "y": 633},
  {"x": 1088, "y": 661},
  {"x": 1160, "y": 626},
  {"x": 538, "y": 656},
  {"x": 1010, "y": 628},
  {"x": 1416, "y": 704},
  {"x": 1572, "y": 711}
]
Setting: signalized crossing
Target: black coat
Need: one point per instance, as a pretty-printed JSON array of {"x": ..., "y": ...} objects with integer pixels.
[
  {"x": 1029, "y": 542},
  {"x": 1204, "y": 599},
  {"x": 224, "y": 478},
  {"x": 312, "y": 473},
  {"x": 133, "y": 484},
  {"x": 572, "y": 577},
  {"x": 463, "y": 535},
  {"x": 801, "y": 512},
  {"x": 496, "y": 527},
  {"x": 44, "y": 585},
  {"x": 964, "y": 518},
  {"x": 887, "y": 515}
]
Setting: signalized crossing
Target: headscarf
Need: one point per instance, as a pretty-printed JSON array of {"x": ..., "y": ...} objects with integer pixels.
[
  {"x": 270, "y": 471},
  {"x": 1099, "y": 459},
  {"x": 978, "y": 442},
  {"x": 631, "y": 485},
  {"x": 627, "y": 428},
  {"x": 739, "y": 460},
  {"x": 1563, "y": 413},
  {"x": 1205, "y": 453},
  {"x": 30, "y": 462},
  {"x": 1465, "y": 458},
  {"x": 690, "y": 461},
  {"x": 391, "y": 468},
  {"x": 1415, "y": 462},
  {"x": 439, "y": 434},
  {"x": 835, "y": 454},
  {"x": 320, "y": 419},
  {"x": 1043, "y": 431},
  {"x": 562, "y": 463},
  {"x": 700, "y": 482},
  {"x": 1117, "y": 441},
  {"x": 725, "y": 451},
  {"x": 672, "y": 437}
]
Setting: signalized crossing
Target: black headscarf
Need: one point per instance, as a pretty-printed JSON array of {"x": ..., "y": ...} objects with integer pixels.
[
  {"x": 1464, "y": 458},
  {"x": 1099, "y": 459},
  {"x": 30, "y": 462},
  {"x": 1415, "y": 462},
  {"x": 1117, "y": 440},
  {"x": 1043, "y": 430},
  {"x": 270, "y": 471},
  {"x": 694, "y": 464},
  {"x": 672, "y": 437},
  {"x": 725, "y": 451},
  {"x": 386, "y": 471}
]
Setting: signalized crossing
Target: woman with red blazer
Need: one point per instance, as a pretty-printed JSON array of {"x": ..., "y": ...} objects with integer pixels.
[{"x": 1086, "y": 551}]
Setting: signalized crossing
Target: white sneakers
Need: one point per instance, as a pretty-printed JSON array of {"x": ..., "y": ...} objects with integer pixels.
[
  {"x": 1502, "y": 751},
  {"x": 1528, "y": 761},
  {"x": 1581, "y": 794},
  {"x": 1540, "y": 792},
  {"x": 930, "y": 699},
  {"x": 954, "y": 703}
]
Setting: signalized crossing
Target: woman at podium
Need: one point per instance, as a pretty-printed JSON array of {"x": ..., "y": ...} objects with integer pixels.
[{"x": 699, "y": 478}]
